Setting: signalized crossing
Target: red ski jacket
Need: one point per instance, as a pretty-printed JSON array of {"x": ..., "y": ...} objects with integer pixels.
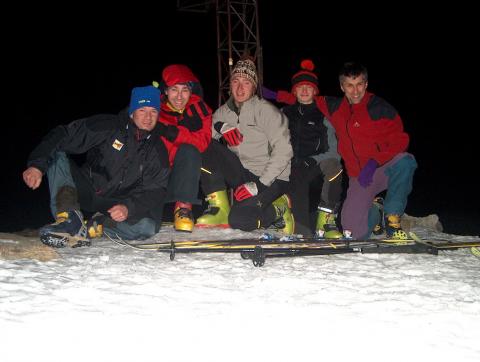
[
  {"x": 371, "y": 129},
  {"x": 194, "y": 125}
]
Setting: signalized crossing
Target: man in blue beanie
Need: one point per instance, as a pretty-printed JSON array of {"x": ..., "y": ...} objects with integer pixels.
[
  {"x": 123, "y": 180},
  {"x": 144, "y": 97}
]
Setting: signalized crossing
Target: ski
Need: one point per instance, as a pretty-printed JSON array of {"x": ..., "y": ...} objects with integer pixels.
[
  {"x": 475, "y": 251},
  {"x": 265, "y": 239},
  {"x": 258, "y": 250},
  {"x": 270, "y": 241}
]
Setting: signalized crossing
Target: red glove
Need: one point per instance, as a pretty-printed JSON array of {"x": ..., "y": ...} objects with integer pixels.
[
  {"x": 231, "y": 134},
  {"x": 286, "y": 97},
  {"x": 246, "y": 191}
]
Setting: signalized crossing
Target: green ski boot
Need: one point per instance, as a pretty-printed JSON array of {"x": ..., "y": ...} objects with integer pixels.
[
  {"x": 326, "y": 224},
  {"x": 285, "y": 221},
  {"x": 216, "y": 215}
]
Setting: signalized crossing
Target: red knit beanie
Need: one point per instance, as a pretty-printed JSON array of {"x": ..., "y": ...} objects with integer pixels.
[
  {"x": 180, "y": 74},
  {"x": 305, "y": 76},
  {"x": 177, "y": 73}
]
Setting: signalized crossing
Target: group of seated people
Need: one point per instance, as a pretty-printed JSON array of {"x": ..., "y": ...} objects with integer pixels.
[{"x": 256, "y": 164}]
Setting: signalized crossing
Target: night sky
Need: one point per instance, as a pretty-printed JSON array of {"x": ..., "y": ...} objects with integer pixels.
[{"x": 425, "y": 76}]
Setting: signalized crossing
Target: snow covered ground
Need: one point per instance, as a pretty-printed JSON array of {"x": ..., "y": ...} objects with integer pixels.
[{"x": 114, "y": 303}]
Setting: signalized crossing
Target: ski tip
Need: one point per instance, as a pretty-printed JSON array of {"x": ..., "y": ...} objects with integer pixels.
[
  {"x": 414, "y": 236},
  {"x": 475, "y": 251}
]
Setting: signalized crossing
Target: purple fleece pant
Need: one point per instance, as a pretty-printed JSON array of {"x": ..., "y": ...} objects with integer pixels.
[{"x": 396, "y": 177}]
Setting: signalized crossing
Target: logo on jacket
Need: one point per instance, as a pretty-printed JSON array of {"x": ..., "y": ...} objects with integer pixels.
[{"x": 117, "y": 145}]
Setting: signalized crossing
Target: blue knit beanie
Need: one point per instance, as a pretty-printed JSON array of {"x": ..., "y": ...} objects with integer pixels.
[{"x": 148, "y": 96}]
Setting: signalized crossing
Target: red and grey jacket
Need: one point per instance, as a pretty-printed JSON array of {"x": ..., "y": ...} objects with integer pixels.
[
  {"x": 192, "y": 126},
  {"x": 371, "y": 129}
]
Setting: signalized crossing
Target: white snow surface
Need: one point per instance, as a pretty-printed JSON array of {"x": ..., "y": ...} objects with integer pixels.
[{"x": 113, "y": 303}]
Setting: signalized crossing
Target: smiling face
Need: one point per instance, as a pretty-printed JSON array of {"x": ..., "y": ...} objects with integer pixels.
[
  {"x": 354, "y": 88},
  {"x": 145, "y": 118},
  {"x": 178, "y": 95},
  {"x": 304, "y": 93},
  {"x": 242, "y": 89}
]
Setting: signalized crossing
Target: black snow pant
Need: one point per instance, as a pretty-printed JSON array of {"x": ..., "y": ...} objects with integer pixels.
[
  {"x": 63, "y": 172},
  {"x": 310, "y": 187},
  {"x": 222, "y": 169}
]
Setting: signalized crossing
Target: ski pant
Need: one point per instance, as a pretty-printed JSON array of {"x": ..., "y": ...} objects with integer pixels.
[
  {"x": 64, "y": 172},
  {"x": 184, "y": 179},
  {"x": 303, "y": 179},
  {"x": 222, "y": 169},
  {"x": 359, "y": 215}
]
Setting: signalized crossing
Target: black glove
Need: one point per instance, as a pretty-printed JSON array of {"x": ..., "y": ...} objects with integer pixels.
[
  {"x": 169, "y": 132},
  {"x": 191, "y": 119}
]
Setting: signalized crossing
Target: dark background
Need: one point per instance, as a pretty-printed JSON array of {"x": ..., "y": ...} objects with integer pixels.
[{"x": 416, "y": 62}]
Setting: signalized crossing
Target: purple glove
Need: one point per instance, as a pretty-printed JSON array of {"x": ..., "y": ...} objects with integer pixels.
[
  {"x": 366, "y": 173},
  {"x": 268, "y": 94}
]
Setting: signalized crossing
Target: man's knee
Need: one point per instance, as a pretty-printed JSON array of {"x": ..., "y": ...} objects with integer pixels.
[
  {"x": 59, "y": 157},
  {"x": 407, "y": 162},
  {"x": 143, "y": 229},
  {"x": 243, "y": 218},
  {"x": 146, "y": 227},
  {"x": 188, "y": 153},
  {"x": 404, "y": 165},
  {"x": 330, "y": 167}
]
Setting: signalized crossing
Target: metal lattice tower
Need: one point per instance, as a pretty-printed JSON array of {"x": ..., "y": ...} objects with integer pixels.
[
  {"x": 237, "y": 35},
  {"x": 197, "y": 6}
]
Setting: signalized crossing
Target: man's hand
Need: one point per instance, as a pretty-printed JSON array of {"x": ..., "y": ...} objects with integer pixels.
[
  {"x": 231, "y": 134},
  {"x": 286, "y": 97},
  {"x": 246, "y": 191},
  {"x": 366, "y": 173},
  {"x": 269, "y": 94},
  {"x": 170, "y": 132},
  {"x": 118, "y": 212},
  {"x": 191, "y": 119},
  {"x": 32, "y": 177}
]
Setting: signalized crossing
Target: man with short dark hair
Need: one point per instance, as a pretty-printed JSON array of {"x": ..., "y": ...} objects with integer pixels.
[
  {"x": 373, "y": 145},
  {"x": 123, "y": 180},
  {"x": 186, "y": 122}
]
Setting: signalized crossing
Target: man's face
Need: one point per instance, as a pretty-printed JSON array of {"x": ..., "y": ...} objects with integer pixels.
[
  {"x": 354, "y": 88},
  {"x": 242, "y": 89},
  {"x": 178, "y": 96},
  {"x": 145, "y": 118},
  {"x": 304, "y": 93}
]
